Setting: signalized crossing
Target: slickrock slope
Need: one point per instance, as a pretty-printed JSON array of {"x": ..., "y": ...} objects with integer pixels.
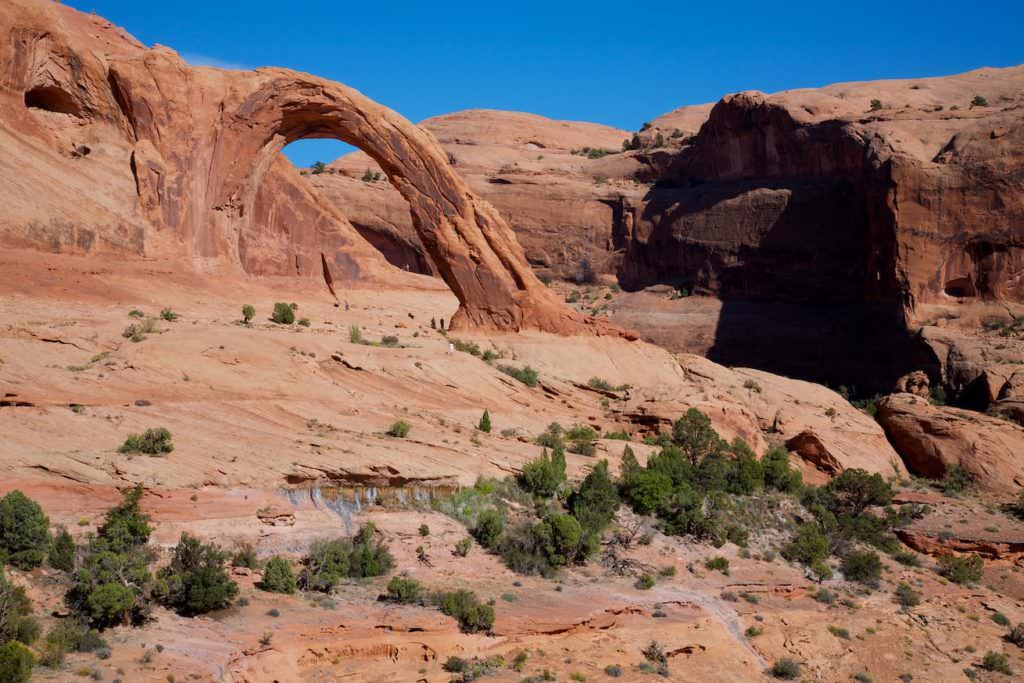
[
  {"x": 562, "y": 205},
  {"x": 199, "y": 146}
]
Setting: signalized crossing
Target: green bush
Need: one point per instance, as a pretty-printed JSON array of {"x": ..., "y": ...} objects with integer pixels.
[
  {"x": 863, "y": 566},
  {"x": 195, "y": 582},
  {"x": 485, "y": 422},
  {"x": 717, "y": 563},
  {"x": 785, "y": 669},
  {"x": 560, "y": 536},
  {"x": 996, "y": 661},
  {"x": 278, "y": 576},
  {"x": 964, "y": 570},
  {"x": 169, "y": 315},
  {"x": 16, "y": 663},
  {"x": 112, "y": 580},
  {"x": 248, "y": 312},
  {"x": 463, "y": 546},
  {"x": 778, "y": 474},
  {"x": 464, "y": 606},
  {"x": 647, "y": 490},
  {"x": 489, "y": 525},
  {"x": 907, "y": 596},
  {"x": 979, "y": 101},
  {"x": 808, "y": 546},
  {"x": 24, "y": 531},
  {"x": 62, "y": 551},
  {"x": 151, "y": 442},
  {"x": 329, "y": 561},
  {"x": 644, "y": 582},
  {"x": 595, "y": 503},
  {"x": 424, "y": 530},
  {"x": 552, "y": 437},
  {"x": 355, "y": 334},
  {"x": 545, "y": 475},
  {"x": 526, "y": 375},
  {"x": 403, "y": 590},
  {"x": 399, "y": 429},
  {"x": 16, "y": 620},
  {"x": 246, "y": 557},
  {"x": 283, "y": 314}
]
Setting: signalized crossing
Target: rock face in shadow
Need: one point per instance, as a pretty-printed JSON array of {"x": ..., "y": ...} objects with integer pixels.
[{"x": 201, "y": 148}]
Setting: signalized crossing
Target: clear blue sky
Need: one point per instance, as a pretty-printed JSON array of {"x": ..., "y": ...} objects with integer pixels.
[{"x": 615, "y": 63}]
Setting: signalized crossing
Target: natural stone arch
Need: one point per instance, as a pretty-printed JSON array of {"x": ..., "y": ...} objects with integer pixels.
[{"x": 475, "y": 251}]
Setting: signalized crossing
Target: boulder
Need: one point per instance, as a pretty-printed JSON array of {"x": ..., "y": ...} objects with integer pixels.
[{"x": 932, "y": 439}]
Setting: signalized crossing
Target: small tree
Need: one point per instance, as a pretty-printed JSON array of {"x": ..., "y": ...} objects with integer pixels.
[
  {"x": 485, "y": 422},
  {"x": 979, "y": 101},
  {"x": 403, "y": 590},
  {"x": 863, "y": 566},
  {"x": 248, "y": 312},
  {"x": 62, "y": 551},
  {"x": 195, "y": 582},
  {"x": 318, "y": 167},
  {"x": 489, "y": 525},
  {"x": 963, "y": 570},
  {"x": 283, "y": 314},
  {"x": 696, "y": 437},
  {"x": 876, "y": 105},
  {"x": 24, "y": 531},
  {"x": 278, "y": 576},
  {"x": 466, "y": 608}
]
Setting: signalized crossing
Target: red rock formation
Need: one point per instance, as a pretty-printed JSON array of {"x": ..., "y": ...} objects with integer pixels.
[
  {"x": 204, "y": 142},
  {"x": 932, "y": 439}
]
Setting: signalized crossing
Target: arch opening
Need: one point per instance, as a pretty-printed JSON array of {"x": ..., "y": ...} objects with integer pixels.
[{"x": 345, "y": 176}]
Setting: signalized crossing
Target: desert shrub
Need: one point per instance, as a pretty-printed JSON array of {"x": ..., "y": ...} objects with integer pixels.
[
  {"x": 718, "y": 563},
  {"x": 839, "y": 632},
  {"x": 1016, "y": 635},
  {"x": 489, "y": 525},
  {"x": 248, "y": 313},
  {"x": 16, "y": 620},
  {"x": 876, "y": 105},
  {"x": 283, "y": 314},
  {"x": 16, "y": 663},
  {"x": 403, "y": 590},
  {"x": 964, "y": 570},
  {"x": 596, "y": 502},
  {"x": 156, "y": 441},
  {"x": 355, "y": 334},
  {"x": 399, "y": 429},
  {"x": 304, "y": 322},
  {"x": 62, "y": 551},
  {"x": 169, "y": 315},
  {"x": 863, "y": 566},
  {"x": 1000, "y": 619},
  {"x": 956, "y": 480},
  {"x": 996, "y": 661},
  {"x": 424, "y": 530},
  {"x": 613, "y": 671},
  {"x": 389, "y": 340},
  {"x": 599, "y": 384},
  {"x": 523, "y": 551},
  {"x": 808, "y": 546},
  {"x": 24, "y": 531},
  {"x": 979, "y": 101},
  {"x": 644, "y": 582},
  {"x": 785, "y": 669},
  {"x": 586, "y": 448},
  {"x": 526, "y": 375},
  {"x": 545, "y": 475},
  {"x": 753, "y": 631},
  {"x": 906, "y": 558},
  {"x": 329, "y": 561},
  {"x": 278, "y": 576},
  {"x": 463, "y": 546},
  {"x": 485, "y": 422},
  {"x": 647, "y": 490},
  {"x": 552, "y": 437},
  {"x": 559, "y": 536},
  {"x": 778, "y": 474},
  {"x": 246, "y": 557},
  {"x": 464, "y": 606},
  {"x": 907, "y": 596},
  {"x": 195, "y": 582},
  {"x": 825, "y": 596}
]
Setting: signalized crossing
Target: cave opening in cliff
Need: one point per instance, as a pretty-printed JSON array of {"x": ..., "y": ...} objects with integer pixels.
[
  {"x": 51, "y": 98},
  {"x": 346, "y": 176}
]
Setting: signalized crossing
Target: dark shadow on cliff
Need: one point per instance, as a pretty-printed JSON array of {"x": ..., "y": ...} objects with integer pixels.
[{"x": 791, "y": 261}]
